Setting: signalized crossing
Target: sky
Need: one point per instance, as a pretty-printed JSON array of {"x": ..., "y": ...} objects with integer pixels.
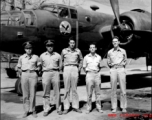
[{"x": 124, "y": 5}]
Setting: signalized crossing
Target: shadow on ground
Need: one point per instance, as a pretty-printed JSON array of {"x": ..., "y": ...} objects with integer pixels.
[
  {"x": 9, "y": 97},
  {"x": 8, "y": 117}
]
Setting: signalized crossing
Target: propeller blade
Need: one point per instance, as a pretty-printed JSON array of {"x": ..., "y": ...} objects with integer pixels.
[{"x": 115, "y": 8}]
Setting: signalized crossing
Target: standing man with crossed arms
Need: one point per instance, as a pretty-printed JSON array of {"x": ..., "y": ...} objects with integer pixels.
[
  {"x": 72, "y": 62},
  {"x": 51, "y": 65},
  {"x": 92, "y": 67},
  {"x": 117, "y": 60}
]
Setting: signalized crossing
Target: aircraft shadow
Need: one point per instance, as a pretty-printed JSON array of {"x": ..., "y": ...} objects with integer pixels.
[
  {"x": 133, "y": 81},
  {"x": 138, "y": 81}
]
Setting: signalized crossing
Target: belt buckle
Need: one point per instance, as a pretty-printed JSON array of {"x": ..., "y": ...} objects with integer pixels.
[
  {"x": 29, "y": 71},
  {"x": 118, "y": 67},
  {"x": 115, "y": 66}
]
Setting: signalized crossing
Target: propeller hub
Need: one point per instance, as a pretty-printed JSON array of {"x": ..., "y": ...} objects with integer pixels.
[{"x": 120, "y": 31}]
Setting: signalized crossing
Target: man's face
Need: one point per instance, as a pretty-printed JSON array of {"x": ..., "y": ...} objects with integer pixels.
[
  {"x": 72, "y": 44},
  {"x": 28, "y": 51},
  {"x": 115, "y": 42},
  {"x": 92, "y": 48},
  {"x": 50, "y": 48}
]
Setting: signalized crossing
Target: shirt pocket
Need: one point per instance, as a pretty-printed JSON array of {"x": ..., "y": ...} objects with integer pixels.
[
  {"x": 89, "y": 61},
  {"x": 33, "y": 62},
  {"x": 55, "y": 62},
  {"x": 74, "y": 56},
  {"x": 120, "y": 55},
  {"x": 25, "y": 62}
]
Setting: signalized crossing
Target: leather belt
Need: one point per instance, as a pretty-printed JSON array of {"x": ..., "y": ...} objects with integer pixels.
[
  {"x": 52, "y": 70},
  {"x": 92, "y": 71},
  {"x": 117, "y": 66},
  {"x": 71, "y": 65},
  {"x": 29, "y": 71}
]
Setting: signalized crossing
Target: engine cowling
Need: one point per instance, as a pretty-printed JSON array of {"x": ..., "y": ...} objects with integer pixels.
[{"x": 135, "y": 20}]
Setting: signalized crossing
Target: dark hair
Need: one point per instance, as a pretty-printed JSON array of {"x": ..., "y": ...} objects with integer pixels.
[
  {"x": 93, "y": 44},
  {"x": 72, "y": 38},
  {"x": 115, "y": 37}
]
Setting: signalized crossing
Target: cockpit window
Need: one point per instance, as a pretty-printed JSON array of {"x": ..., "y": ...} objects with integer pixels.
[
  {"x": 51, "y": 8},
  {"x": 73, "y": 13},
  {"x": 15, "y": 19},
  {"x": 11, "y": 18},
  {"x": 30, "y": 18},
  {"x": 63, "y": 12},
  {"x": 4, "y": 18}
]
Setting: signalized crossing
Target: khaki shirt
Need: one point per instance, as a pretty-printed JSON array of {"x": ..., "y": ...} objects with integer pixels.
[
  {"x": 50, "y": 61},
  {"x": 28, "y": 63},
  {"x": 117, "y": 57},
  {"x": 72, "y": 57},
  {"x": 92, "y": 63}
]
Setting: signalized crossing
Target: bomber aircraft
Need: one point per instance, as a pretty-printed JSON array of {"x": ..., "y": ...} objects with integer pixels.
[{"x": 60, "y": 22}]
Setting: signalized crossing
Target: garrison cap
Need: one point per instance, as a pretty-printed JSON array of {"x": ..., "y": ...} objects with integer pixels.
[
  {"x": 49, "y": 42},
  {"x": 28, "y": 44}
]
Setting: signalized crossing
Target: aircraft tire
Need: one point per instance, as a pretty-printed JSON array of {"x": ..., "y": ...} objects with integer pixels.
[
  {"x": 18, "y": 88},
  {"x": 11, "y": 73}
]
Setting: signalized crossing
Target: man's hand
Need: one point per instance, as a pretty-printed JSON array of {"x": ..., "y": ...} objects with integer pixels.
[
  {"x": 112, "y": 64},
  {"x": 38, "y": 71},
  {"x": 79, "y": 70},
  {"x": 19, "y": 72}
]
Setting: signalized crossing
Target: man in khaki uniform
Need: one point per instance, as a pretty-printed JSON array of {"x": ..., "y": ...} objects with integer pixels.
[
  {"x": 117, "y": 60},
  {"x": 92, "y": 66},
  {"x": 27, "y": 65},
  {"x": 51, "y": 65},
  {"x": 72, "y": 62}
]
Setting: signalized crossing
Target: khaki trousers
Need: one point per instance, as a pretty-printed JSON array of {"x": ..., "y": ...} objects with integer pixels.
[
  {"x": 93, "y": 81},
  {"x": 48, "y": 78},
  {"x": 118, "y": 74},
  {"x": 29, "y": 85},
  {"x": 70, "y": 76}
]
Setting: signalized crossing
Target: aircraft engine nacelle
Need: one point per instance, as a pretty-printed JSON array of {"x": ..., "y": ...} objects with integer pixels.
[{"x": 132, "y": 22}]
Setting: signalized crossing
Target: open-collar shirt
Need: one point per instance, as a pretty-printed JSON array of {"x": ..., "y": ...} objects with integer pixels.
[
  {"x": 26, "y": 62},
  {"x": 72, "y": 57},
  {"x": 117, "y": 57},
  {"x": 50, "y": 61},
  {"x": 92, "y": 63}
]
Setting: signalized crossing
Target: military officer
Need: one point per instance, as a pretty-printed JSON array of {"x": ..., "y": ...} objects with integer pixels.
[
  {"x": 51, "y": 65},
  {"x": 117, "y": 60},
  {"x": 72, "y": 64},
  {"x": 92, "y": 66},
  {"x": 27, "y": 65}
]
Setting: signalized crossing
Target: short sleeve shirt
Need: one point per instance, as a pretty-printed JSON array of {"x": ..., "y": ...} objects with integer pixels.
[
  {"x": 92, "y": 63},
  {"x": 28, "y": 63},
  {"x": 71, "y": 57},
  {"x": 117, "y": 57},
  {"x": 50, "y": 61}
]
